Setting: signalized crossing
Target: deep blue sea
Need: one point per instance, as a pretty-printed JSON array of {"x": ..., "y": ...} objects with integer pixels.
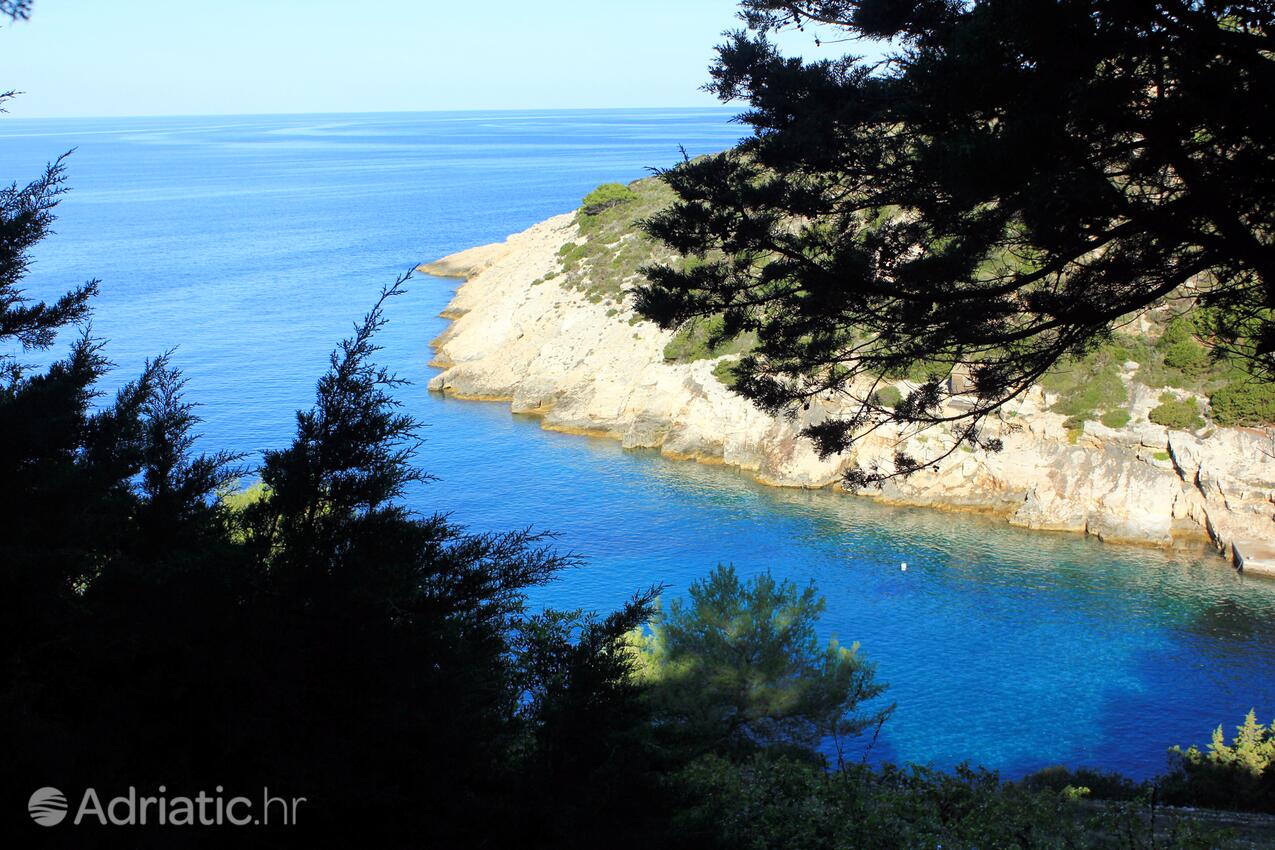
[{"x": 250, "y": 245}]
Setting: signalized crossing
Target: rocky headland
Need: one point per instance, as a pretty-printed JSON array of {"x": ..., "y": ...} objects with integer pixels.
[{"x": 588, "y": 365}]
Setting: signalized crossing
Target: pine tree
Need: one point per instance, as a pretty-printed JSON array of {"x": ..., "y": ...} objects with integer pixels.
[
  {"x": 738, "y": 667},
  {"x": 1009, "y": 184}
]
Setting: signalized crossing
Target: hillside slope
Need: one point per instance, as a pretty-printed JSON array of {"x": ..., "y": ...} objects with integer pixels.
[{"x": 541, "y": 323}]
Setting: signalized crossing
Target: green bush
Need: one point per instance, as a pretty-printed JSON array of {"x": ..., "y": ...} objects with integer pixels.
[
  {"x": 1116, "y": 418},
  {"x": 1189, "y": 357},
  {"x": 702, "y": 339},
  {"x": 1238, "y": 775},
  {"x": 1244, "y": 402},
  {"x": 606, "y": 196},
  {"x": 724, "y": 372},
  {"x": 887, "y": 397},
  {"x": 1181, "y": 413},
  {"x": 1180, "y": 349},
  {"x": 1177, "y": 330},
  {"x": 1088, "y": 389},
  {"x": 1101, "y": 784}
]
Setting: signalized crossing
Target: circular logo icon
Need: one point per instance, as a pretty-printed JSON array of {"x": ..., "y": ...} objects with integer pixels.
[{"x": 47, "y": 807}]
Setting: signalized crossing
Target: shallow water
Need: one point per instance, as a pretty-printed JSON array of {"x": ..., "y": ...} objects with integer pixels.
[{"x": 250, "y": 244}]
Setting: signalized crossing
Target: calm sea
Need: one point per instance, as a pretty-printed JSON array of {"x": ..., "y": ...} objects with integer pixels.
[{"x": 250, "y": 245}]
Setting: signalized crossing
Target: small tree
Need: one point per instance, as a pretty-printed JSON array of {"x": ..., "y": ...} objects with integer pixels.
[
  {"x": 738, "y": 667},
  {"x": 1238, "y": 775},
  {"x": 606, "y": 196},
  {"x": 584, "y": 759}
]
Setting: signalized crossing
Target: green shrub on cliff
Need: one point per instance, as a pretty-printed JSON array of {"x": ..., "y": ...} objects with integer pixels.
[
  {"x": 704, "y": 339},
  {"x": 1088, "y": 387},
  {"x": 610, "y": 249},
  {"x": 1245, "y": 401},
  {"x": 1117, "y": 418},
  {"x": 1181, "y": 351},
  {"x": 1181, "y": 413},
  {"x": 887, "y": 397},
  {"x": 571, "y": 254},
  {"x": 605, "y": 197},
  {"x": 724, "y": 372}
]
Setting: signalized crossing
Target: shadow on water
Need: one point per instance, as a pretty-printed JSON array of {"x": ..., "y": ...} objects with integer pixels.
[
  {"x": 1012, "y": 648},
  {"x": 251, "y": 243}
]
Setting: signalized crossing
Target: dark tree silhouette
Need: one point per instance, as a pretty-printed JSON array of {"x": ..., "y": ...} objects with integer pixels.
[
  {"x": 319, "y": 639},
  {"x": 322, "y": 640},
  {"x": 1011, "y": 182},
  {"x": 16, "y": 9}
]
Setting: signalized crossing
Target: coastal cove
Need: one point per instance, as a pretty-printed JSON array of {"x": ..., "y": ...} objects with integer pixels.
[
  {"x": 570, "y": 348},
  {"x": 256, "y": 241}
]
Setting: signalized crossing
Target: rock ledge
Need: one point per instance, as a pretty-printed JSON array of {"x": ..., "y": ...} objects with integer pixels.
[{"x": 589, "y": 368}]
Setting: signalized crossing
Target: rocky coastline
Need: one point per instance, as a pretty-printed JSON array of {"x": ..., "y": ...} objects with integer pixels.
[{"x": 519, "y": 336}]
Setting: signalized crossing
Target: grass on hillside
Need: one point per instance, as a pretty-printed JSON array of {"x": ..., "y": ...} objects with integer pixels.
[
  {"x": 1090, "y": 388},
  {"x": 704, "y": 340},
  {"x": 606, "y": 259}
]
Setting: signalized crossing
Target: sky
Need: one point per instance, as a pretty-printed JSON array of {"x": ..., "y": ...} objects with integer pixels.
[{"x": 208, "y": 57}]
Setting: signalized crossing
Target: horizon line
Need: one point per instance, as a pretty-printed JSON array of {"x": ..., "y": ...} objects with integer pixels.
[{"x": 9, "y": 116}]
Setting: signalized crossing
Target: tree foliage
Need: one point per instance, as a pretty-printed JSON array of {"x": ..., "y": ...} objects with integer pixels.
[
  {"x": 991, "y": 198},
  {"x": 1239, "y": 774},
  {"x": 1245, "y": 401},
  {"x": 315, "y": 637},
  {"x": 605, "y": 197},
  {"x": 1181, "y": 413},
  {"x": 737, "y": 667}
]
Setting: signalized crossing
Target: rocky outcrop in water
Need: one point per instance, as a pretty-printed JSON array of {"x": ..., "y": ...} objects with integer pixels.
[{"x": 592, "y": 368}]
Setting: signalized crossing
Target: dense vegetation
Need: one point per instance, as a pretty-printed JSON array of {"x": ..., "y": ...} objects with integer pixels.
[
  {"x": 611, "y": 250},
  {"x": 314, "y": 636},
  {"x": 1012, "y": 183},
  {"x": 1170, "y": 356},
  {"x": 607, "y": 261},
  {"x": 1239, "y": 774}
]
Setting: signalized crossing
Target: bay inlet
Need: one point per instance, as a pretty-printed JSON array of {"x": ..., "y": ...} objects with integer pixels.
[{"x": 256, "y": 241}]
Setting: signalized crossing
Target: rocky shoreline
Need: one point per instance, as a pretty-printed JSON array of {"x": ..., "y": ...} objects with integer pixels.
[{"x": 519, "y": 336}]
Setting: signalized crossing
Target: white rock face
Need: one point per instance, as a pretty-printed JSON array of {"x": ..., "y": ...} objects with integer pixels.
[{"x": 597, "y": 369}]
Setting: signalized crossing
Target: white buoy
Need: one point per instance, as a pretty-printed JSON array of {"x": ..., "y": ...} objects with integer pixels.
[{"x": 903, "y": 567}]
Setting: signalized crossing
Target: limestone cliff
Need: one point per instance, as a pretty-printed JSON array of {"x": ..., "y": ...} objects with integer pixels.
[{"x": 593, "y": 367}]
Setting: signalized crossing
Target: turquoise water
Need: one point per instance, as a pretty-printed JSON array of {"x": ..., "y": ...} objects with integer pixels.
[{"x": 250, "y": 244}]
